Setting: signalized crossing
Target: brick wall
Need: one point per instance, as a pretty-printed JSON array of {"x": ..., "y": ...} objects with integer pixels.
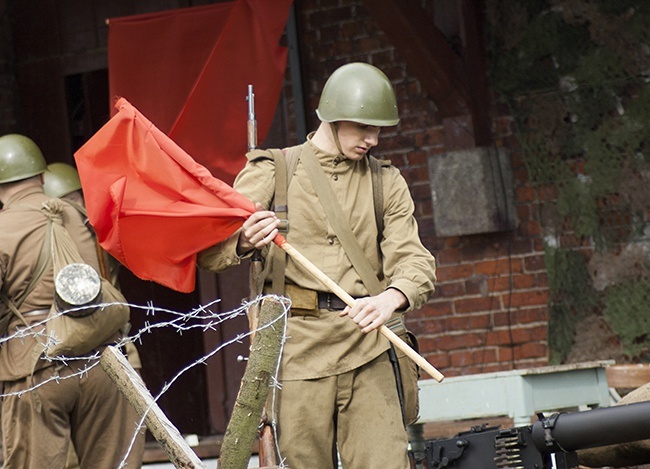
[{"x": 489, "y": 312}]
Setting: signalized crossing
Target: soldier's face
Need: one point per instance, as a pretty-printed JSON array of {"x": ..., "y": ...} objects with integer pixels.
[{"x": 357, "y": 139}]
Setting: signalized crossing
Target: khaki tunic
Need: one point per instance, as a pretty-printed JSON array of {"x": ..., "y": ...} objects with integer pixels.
[
  {"x": 327, "y": 345},
  {"x": 88, "y": 410},
  {"x": 21, "y": 238}
]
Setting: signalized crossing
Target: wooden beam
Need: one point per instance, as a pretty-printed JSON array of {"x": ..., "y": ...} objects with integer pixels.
[
  {"x": 131, "y": 385},
  {"x": 427, "y": 53},
  {"x": 473, "y": 22}
]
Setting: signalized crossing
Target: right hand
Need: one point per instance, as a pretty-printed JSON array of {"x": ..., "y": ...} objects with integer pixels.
[{"x": 258, "y": 230}]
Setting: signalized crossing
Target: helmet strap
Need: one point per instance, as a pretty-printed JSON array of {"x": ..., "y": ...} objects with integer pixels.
[{"x": 335, "y": 134}]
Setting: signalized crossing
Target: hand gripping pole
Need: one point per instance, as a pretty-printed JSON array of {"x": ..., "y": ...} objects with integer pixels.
[{"x": 338, "y": 291}]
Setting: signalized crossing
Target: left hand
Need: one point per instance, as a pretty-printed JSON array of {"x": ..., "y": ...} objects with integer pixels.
[{"x": 372, "y": 312}]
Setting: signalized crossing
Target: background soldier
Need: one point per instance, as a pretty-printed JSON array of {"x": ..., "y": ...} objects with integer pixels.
[
  {"x": 338, "y": 386},
  {"x": 43, "y": 407},
  {"x": 61, "y": 181}
]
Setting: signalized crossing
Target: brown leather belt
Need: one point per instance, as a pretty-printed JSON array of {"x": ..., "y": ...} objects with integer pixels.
[{"x": 330, "y": 301}]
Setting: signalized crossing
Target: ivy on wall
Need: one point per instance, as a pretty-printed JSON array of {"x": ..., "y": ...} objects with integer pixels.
[
  {"x": 576, "y": 77},
  {"x": 573, "y": 297},
  {"x": 626, "y": 310}
]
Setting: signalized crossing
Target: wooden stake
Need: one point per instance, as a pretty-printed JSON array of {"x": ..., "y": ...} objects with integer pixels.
[
  {"x": 262, "y": 363},
  {"x": 131, "y": 385}
]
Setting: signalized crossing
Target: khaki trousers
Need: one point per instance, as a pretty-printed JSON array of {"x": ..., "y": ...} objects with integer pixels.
[
  {"x": 89, "y": 411},
  {"x": 357, "y": 413}
]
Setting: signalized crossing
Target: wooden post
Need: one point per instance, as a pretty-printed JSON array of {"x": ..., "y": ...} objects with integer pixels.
[
  {"x": 131, "y": 385},
  {"x": 262, "y": 364}
]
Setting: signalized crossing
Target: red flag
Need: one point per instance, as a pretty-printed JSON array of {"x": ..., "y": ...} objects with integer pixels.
[
  {"x": 189, "y": 69},
  {"x": 152, "y": 206}
]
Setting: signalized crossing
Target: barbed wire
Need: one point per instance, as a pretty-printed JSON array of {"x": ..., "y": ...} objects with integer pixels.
[{"x": 181, "y": 322}]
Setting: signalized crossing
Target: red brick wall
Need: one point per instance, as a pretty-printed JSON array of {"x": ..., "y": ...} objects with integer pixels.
[{"x": 489, "y": 312}]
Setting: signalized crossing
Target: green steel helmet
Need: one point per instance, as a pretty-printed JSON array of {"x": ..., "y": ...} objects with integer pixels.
[
  {"x": 20, "y": 158},
  {"x": 358, "y": 92},
  {"x": 60, "y": 179}
]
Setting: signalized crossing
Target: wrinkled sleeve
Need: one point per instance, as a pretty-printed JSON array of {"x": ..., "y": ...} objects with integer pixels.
[
  {"x": 257, "y": 183},
  {"x": 408, "y": 265}
]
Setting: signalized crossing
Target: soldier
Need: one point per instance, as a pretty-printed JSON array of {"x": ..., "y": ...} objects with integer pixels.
[
  {"x": 44, "y": 406},
  {"x": 338, "y": 389},
  {"x": 61, "y": 181}
]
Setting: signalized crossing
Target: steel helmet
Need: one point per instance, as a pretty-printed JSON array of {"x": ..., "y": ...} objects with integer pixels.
[
  {"x": 20, "y": 158},
  {"x": 60, "y": 179},
  {"x": 358, "y": 92}
]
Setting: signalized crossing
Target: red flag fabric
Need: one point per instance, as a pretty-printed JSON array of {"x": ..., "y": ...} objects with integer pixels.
[
  {"x": 151, "y": 204},
  {"x": 188, "y": 71}
]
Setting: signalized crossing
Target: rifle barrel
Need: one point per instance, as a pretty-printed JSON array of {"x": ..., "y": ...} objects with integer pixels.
[{"x": 252, "y": 121}]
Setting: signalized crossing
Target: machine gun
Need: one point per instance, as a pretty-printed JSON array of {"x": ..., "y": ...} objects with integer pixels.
[{"x": 550, "y": 443}]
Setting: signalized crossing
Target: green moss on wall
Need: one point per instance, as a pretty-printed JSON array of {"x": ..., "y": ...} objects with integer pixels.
[
  {"x": 627, "y": 310},
  {"x": 572, "y": 297},
  {"x": 576, "y": 77}
]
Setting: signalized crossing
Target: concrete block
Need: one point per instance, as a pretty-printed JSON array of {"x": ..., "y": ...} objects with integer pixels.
[{"x": 472, "y": 192}]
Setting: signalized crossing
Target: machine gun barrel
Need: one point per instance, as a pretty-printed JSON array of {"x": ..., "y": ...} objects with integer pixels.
[
  {"x": 598, "y": 427},
  {"x": 532, "y": 446}
]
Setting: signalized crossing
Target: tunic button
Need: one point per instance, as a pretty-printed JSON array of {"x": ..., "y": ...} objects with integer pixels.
[
  {"x": 336, "y": 177},
  {"x": 330, "y": 240}
]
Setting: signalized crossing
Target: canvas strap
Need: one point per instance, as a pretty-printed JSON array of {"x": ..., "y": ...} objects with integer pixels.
[
  {"x": 339, "y": 223},
  {"x": 44, "y": 259},
  {"x": 281, "y": 210},
  {"x": 285, "y": 164}
]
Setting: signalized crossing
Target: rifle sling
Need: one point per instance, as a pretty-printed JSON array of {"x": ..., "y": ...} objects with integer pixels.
[{"x": 281, "y": 209}]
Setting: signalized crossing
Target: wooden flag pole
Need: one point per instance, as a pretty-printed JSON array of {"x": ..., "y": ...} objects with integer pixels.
[{"x": 338, "y": 291}]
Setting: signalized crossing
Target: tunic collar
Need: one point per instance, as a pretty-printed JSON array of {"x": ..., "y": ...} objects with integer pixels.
[
  {"x": 22, "y": 195},
  {"x": 326, "y": 158}
]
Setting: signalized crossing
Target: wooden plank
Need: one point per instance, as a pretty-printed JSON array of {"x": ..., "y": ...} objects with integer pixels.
[
  {"x": 131, "y": 385},
  {"x": 628, "y": 376}
]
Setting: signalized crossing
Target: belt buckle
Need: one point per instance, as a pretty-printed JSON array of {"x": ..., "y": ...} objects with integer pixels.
[{"x": 329, "y": 301}]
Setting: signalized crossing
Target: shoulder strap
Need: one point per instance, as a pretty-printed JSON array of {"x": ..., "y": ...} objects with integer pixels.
[
  {"x": 80, "y": 208},
  {"x": 12, "y": 308},
  {"x": 292, "y": 155},
  {"x": 286, "y": 161},
  {"x": 377, "y": 194},
  {"x": 340, "y": 224},
  {"x": 280, "y": 208},
  {"x": 44, "y": 260},
  {"x": 102, "y": 256}
]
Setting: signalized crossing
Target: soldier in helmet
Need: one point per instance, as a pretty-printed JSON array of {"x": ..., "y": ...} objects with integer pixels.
[
  {"x": 61, "y": 181},
  {"x": 46, "y": 404},
  {"x": 338, "y": 388}
]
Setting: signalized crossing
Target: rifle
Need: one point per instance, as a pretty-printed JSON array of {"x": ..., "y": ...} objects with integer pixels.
[
  {"x": 266, "y": 439},
  {"x": 256, "y": 267}
]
